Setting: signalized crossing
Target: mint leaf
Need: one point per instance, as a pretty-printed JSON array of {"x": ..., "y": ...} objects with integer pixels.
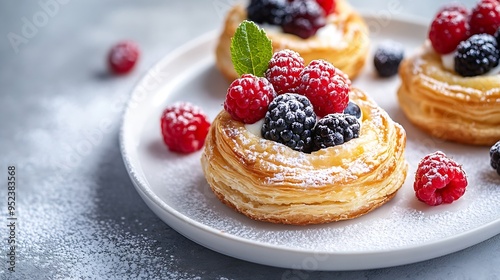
[{"x": 251, "y": 50}]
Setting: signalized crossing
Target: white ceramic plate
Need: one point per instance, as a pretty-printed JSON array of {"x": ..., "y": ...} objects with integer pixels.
[{"x": 401, "y": 232}]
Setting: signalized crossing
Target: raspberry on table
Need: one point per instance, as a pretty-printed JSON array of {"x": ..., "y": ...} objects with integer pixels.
[
  {"x": 326, "y": 87},
  {"x": 387, "y": 58},
  {"x": 485, "y": 17},
  {"x": 495, "y": 157},
  {"x": 439, "y": 180},
  {"x": 335, "y": 129},
  {"x": 184, "y": 127},
  {"x": 284, "y": 71},
  {"x": 305, "y": 17},
  {"x": 477, "y": 55},
  {"x": 290, "y": 120},
  {"x": 447, "y": 30},
  {"x": 353, "y": 110},
  {"x": 248, "y": 97},
  {"x": 267, "y": 11},
  {"x": 123, "y": 56},
  {"x": 328, "y": 6}
]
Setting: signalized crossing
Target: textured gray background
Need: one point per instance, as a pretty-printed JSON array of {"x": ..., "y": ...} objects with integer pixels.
[{"x": 78, "y": 213}]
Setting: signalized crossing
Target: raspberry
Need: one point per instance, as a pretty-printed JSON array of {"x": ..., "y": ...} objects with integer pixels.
[
  {"x": 326, "y": 87},
  {"x": 123, "y": 57},
  {"x": 284, "y": 71},
  {"x": 477, "y": 55},
  {"x": 485, "y": 17},
  {"x": 387, "y": 58},
  {"x": 495, "y": 157},
  {"x": 328, "y": 6},
  {"x": 439, "y": 180},
  {"x": 448, "y": 29},
  {"x": 184, "y": 127},
  {"x": 304, "y": 19},
  {"x": 267, "y": 11},
  {"x": 353, "y": 110},
  {"x": 248, "y": 97},
  {"x": 290, "y": 121},
  {"x": 455, "y": 7},
  {"x": 335, "y": 129}
]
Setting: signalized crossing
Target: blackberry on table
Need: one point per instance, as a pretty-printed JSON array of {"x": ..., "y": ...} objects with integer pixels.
[
  {"x": 267, "y": 11},
  {"x": 476, "y": 55},
  {"x": 290, "y": 120},
  {"x": 387, "y": 58},
  {"x": 335, "y": 129},
  {"x": 495, "y": 157}
]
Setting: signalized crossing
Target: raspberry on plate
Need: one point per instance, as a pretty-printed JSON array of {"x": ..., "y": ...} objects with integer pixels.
[
  {"x": 477, "y": 55},
  {"x": 335, "y": 129},
  {"x": 326, "y": 87},
  {"x": 439, "y": 180},
  {"x": 495, "y": 157},
  {"x": 448, "y": 29},
  {"x": 248, "y": 97},
  {"x": 290, "y": 121},
  {"x": 184, "y": 127},
  {"x": 485, "y": 17},
  {"x": 304, "y": 19},
  {"x": 123, "y": 57},
  {"x": 284, "y": 71}
]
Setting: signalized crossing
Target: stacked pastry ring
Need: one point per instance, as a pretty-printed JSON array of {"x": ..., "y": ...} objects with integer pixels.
[
  {"x": 349, "y": 54},
  {"x": 449, "y": 106},
  {"x": 268, "y": 181}
]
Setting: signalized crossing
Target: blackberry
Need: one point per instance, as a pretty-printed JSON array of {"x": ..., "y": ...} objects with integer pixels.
[
  {"x": 387, "y": 58},
  {"x": 476, "y": 55},
  {"x": 495, "y": 157},
  {"x": 335, "y": 129},
  {"x": 290, "y": 120},
  {"x": 305, "y": 17},
  {"x": 353, "y": 110},
  {"x": 267, "y": 11}
]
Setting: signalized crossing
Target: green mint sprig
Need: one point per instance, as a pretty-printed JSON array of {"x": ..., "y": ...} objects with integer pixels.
[{"x": 251, "y": 50}]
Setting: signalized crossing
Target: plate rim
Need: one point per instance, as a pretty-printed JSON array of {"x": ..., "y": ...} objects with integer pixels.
[{"x": 141, "y": 186}]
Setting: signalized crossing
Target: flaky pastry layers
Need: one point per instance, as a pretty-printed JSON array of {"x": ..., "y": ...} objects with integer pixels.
[
  {"x": 449, "y": 106},
  {"x": 270, "y": 182},
  {"x": 348, "y": 55}
]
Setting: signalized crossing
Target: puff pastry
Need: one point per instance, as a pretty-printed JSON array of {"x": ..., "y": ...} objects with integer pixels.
[
  {"x": 348, "y": 53},
  {"x": 268, "y": 181},
  {"x": 446, "y": 105}
]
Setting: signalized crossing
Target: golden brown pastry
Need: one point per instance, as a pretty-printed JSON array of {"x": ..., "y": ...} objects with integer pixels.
[
  {"x": 268, "y": 181},
  {"x": 348, "y": 55},
  {"x": 449, "y": 106}
]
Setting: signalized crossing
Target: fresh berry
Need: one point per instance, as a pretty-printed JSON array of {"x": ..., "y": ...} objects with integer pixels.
[
  {"x": 123, "y": 57},
  {"x": 290, "y": 120},
  {"x": 448, "y": 29},
  {"x": 248, "y": 97},
  {"x": 485, "y": 17},
  {"x": 304, "y": 19},
  {"x": 353, "y": 110},
  {"x": 454, "y": 7},
  {"x": 387, "y": 58},
  {"x": 477, "y": 55},
  {"x": 328, "y": 6},
  {"x": 497, "y": 36},
  {"x": 439, "y": 180},
  {"x": 495, "y": 157},
  {"x": 284, "y": 71},
  {"x": 326, "y": 87},
  {"x": 335, "y": 129},
  {"x": 267, "y": 11},
  {"x": 184, "y": 127}
]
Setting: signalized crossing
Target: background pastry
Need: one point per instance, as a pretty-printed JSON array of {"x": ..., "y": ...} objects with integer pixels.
[{"x": 340, "y": 37}]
